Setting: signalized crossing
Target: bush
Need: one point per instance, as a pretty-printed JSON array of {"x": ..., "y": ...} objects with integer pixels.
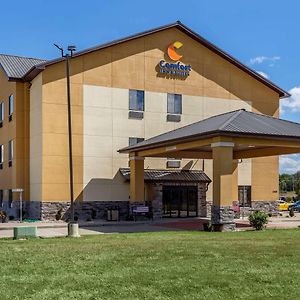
[
  {"x": 3, "y": 216},
  {"x": 58, "y": 215},
  {"x": 291, "y": 212},
  {"x": 289, "y": 199},
  {"x": 258, "y": 219}
]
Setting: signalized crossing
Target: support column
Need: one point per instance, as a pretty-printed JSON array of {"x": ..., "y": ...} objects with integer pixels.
[
  {"x": 137, "y": 190},
  {"x": 222, "y": 217}
]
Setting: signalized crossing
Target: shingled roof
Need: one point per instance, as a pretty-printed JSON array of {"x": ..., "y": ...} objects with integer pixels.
[
  {"x": 170, "y": 175},
  {"x": 15, "y": 67},
  {"x": 235, "y": 123}
]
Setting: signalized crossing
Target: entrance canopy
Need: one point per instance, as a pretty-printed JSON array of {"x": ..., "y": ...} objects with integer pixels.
[
  {"x": 223, "y": 138},
  {"x": 253, "y": 135}
]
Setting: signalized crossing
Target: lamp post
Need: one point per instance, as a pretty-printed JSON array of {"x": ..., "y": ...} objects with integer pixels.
[{"x": 72, "y": 227}]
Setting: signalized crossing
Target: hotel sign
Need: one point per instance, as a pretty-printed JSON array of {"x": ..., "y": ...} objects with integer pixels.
[{"x": 177, "y": 68}]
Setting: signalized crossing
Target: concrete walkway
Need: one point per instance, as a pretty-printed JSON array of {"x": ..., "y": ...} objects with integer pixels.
[{"x": 60, "y": 228}]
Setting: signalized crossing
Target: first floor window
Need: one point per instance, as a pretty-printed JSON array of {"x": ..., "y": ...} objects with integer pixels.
[
  {"x": 135, "y": 140},
  {"x": 1, "y": 198},
  {"x": 136, "y": 100},
  {"x": 10, "y": 105},
  {"x": 174, "y": 104},
  {"x": 10, "y": 150},
  {"x": 10, "y": 198}
]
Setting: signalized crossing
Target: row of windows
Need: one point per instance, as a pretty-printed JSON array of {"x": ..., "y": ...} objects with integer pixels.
[
  {"x": 10, "y": 197},
  {"x": 137, "y": 102},
  {"x": 10, "y": 154},
  {"x": 10, "y": 108}
]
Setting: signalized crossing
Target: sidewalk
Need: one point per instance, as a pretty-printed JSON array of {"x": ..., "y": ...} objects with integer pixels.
[{"x": 60, "y": 228}]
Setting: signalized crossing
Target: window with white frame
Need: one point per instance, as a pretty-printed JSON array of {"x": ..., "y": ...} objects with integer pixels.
[
  {"x": 136, "y": 100},
  {"x": 1, "y": 155},
  {"x": 10, "y": 105},
  {"x": 175, "y": 104},
  {"x": 1, "y": 111},
  {"x": 10, "y": 150},
  {"x": 135, "y": 140}
]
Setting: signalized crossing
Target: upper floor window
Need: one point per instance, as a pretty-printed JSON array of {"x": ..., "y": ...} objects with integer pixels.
[
  {"x": 10, "y": 106},
  {"x": 135, "y": 140},
  {"x": 10, "y": 152},
  {"x": 1, "y": 112},
  {"x": 1, "y": 156},
  {"x": 136, "y": 100},
  {"x": 174, "y": 104}
]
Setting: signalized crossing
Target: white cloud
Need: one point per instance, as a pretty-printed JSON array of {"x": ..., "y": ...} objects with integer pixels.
[
  {"x": 263, "y": 74},
  {"x": 261, "y": 59},
  {"x": 289, "y": 164},
  {"x": 291, "y": 104}
]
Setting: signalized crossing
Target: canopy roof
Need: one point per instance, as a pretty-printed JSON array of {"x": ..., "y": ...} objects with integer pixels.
[
  {"x": 251, "y": 134},
  {"x": 235, "y": 123},
  {"x": 170, "y": 175}
]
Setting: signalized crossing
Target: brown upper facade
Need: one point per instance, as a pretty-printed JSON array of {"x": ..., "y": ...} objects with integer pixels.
[{"x": 27, "y": 68}]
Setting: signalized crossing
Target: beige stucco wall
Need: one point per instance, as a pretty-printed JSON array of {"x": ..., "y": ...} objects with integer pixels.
[{"x": 99, "y": 85}]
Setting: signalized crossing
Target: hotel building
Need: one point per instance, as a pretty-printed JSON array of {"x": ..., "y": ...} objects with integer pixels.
[{"x": 123, "y": 92}]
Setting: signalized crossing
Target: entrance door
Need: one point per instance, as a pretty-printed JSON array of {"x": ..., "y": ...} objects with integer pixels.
[{"x": 180, "y": 201}]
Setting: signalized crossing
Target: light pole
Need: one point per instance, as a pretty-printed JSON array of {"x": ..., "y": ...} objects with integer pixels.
[{"x": 72, "y": 228}]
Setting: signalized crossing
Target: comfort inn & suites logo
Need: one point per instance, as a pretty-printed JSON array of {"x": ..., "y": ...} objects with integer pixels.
[
  {"x": 172, "y": 52},
  {"x": 174, "y": 69}
]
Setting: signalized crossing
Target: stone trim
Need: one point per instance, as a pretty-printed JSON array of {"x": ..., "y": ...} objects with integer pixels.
[
  {"x": 266, "y": 206},
  {"x": 222, "y": 218}
]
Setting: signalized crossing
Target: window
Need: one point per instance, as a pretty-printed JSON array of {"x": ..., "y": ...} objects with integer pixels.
[
  {"x": 1, "y": 156},
  {"x": 1, "y": 198},
  {"x": 10, "y": 107},
  {"x": 135, "y": 140},
  {"x": 10, "y": 152},
  {"x": 173, "y": 162},
  {"x": 10, "y": 198},
  {"x": 1, "y": 113},
  {"x": 136, "y": 100},
  {"x": 174, "y": 104}
]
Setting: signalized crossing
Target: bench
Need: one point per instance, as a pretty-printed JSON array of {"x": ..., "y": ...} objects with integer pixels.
[{"x": 141, "y": 210}]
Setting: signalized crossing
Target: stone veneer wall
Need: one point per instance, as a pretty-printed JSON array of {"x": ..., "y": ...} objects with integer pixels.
[
  {"x": 204, "y": 207},
  {"x": 266, "y": 206},
  {"x": 85, "y": 210}
]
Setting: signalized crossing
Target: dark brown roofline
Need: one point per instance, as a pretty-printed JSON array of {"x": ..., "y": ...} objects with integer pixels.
[
  {"x": 207, "y": 135},
  {"x": 282, "y": 93}
]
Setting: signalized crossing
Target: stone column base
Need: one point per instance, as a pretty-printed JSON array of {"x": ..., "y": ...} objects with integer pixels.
[{"x": 222, "y": 218}]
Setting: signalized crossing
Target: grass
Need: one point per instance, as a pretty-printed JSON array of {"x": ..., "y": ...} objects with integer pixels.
[{"x": 165, "y": 265}]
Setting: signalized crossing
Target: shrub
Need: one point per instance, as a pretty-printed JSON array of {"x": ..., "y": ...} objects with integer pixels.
[
  {"x": 291, "y": 212},
  {"x": 58, "y": 215},
  {"x": 258, "y": 219},
  {"x": 289, "y": 199},
  {"x": 3, "y": 216}
]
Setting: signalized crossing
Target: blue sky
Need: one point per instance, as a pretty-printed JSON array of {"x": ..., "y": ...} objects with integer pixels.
[{"x": 262, "y": 34}]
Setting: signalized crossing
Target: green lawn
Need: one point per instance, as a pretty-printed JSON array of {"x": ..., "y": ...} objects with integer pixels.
[{"x": 168, "y": 265}]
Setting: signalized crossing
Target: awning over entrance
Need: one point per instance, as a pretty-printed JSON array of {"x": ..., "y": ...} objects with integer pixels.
[
  {"x": 223, "y": 138},
  {"x": 170, "y": 175},
  {"x": 253, "y": 135}
]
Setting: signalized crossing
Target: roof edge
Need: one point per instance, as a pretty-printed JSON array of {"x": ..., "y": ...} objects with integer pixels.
[{"x": 282, "y": 93}]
